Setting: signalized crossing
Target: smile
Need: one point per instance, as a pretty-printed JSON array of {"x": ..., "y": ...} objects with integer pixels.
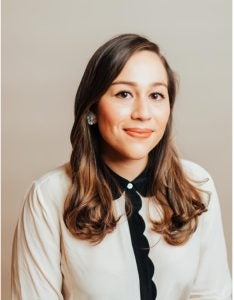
[{"x": 139, "y": 132}]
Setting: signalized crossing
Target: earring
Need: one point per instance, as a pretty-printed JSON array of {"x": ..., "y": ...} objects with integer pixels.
[{"x": 91, "y": 118}]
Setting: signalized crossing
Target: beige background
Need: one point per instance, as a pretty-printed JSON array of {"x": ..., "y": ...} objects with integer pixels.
[{"x": 46, "y": 45}]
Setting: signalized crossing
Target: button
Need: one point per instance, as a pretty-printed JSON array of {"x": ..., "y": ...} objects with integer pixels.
[{"x": 129, "y": 186}]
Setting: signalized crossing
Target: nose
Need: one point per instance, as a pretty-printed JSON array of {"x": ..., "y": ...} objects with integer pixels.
[{"x": 141, "y": 110}]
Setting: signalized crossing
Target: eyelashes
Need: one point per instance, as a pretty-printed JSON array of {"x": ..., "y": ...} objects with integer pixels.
[
  {"x": 157, "y": 96},
  {"x": 127, "y": 95},
  {"x": 124, "y": 94}
]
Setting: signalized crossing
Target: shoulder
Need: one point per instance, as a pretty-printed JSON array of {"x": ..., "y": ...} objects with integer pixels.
[
  {"x": 194, "y": 171},
  {"x": 54, "y": 178},
  {"x": 51, "y": 188},
  {"x": 198, "y": 174},
  {"x": 201, "y": 179}
]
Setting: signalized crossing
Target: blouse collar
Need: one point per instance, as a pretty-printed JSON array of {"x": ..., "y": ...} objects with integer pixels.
[{"x": 118, "y": 184}]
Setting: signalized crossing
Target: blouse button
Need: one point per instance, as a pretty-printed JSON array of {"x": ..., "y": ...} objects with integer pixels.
[{"x": 129, "y": 186}]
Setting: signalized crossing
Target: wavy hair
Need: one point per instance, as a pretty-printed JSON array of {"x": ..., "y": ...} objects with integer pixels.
[{"x": 88, "y": 209}]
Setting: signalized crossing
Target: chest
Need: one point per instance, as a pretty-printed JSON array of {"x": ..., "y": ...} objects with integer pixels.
[{"x": 97, "y": 270}]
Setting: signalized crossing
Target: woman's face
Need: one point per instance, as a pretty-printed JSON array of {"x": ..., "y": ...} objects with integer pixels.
[{"x": 132, "y": 115}]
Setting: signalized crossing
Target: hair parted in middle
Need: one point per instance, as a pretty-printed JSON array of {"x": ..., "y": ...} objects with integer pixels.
[{"x": 88, "y": 211}]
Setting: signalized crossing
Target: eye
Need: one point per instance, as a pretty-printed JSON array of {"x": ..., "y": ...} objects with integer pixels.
[
  {"x": 124, "y": 94},
  {"x": 157, "y": 96}
]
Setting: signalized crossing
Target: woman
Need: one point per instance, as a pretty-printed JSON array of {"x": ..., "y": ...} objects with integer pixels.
[{"x": 126, "y": 219}]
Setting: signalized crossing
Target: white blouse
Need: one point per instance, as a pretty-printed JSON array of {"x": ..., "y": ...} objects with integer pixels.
[{"x": 49, "y": 263}]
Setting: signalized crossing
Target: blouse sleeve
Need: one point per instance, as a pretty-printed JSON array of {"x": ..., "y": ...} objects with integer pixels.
[
  {"x": 35, "y": 266},
  {"x": 213, "y": 278}
]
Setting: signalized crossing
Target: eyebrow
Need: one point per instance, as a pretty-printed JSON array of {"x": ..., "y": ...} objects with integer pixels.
[{"x": 132, "y": 83}]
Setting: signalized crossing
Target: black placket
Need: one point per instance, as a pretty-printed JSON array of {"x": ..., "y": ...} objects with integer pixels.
[
  {"x": 141, "y": 248},
  {"x": 136, "y": 223}
]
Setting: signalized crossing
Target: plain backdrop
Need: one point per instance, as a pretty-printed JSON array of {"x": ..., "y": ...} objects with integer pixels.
[{"x": 46, "y": 45}]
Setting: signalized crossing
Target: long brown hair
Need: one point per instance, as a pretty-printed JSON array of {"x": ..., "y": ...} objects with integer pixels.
[{"x": 88, "y": 211}]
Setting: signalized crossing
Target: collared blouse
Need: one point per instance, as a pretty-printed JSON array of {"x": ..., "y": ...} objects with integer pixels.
[{"x": 131, "y": 263}]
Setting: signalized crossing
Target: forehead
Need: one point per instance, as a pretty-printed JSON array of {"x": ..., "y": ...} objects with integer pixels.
[{"x": 143, "y": 67}]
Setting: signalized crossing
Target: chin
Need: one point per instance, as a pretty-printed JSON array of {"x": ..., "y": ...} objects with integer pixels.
[{"x": 137, "y": 155}]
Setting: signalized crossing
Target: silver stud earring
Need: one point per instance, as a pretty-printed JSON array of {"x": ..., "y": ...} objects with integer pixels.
[{"x": 91, "y": 118}]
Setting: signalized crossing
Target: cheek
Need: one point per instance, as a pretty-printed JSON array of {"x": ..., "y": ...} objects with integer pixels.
[
  {"x": 162, "y": 115},
  {"x": 167, "y": 114},
  {"x": 109, "y": 115},
  {"x": 106, "y": 119}
]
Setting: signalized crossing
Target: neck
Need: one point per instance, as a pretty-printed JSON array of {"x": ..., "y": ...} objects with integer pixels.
[{"x": 125, "y": 168}]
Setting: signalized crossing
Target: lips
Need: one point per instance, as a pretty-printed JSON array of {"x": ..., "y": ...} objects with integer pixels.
[{"x": 139, "y": 132}]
